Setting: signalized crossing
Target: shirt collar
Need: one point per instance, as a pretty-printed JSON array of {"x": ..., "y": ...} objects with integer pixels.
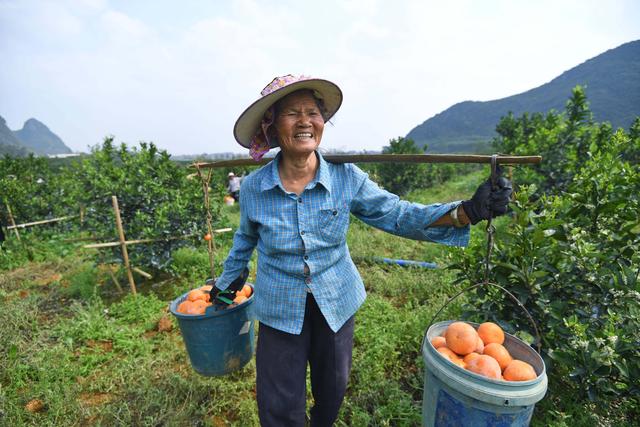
[{"x": 272, "y": 177}]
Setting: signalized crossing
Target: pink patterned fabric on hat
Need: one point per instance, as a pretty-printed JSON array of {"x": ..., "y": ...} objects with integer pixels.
[
  {"x": 260, "y": 142},
  {"x": 280, "y": 82}
]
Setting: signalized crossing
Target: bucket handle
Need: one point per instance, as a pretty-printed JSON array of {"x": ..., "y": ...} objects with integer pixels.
[{"x": 513, "y": 297}]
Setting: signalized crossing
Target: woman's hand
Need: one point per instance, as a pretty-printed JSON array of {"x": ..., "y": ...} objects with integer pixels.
[
  {"x": 487, "y": 202},
  {"x": 216, "y": 294}
]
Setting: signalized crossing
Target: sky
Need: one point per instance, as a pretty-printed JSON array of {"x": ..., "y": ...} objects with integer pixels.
[{"x": 180, "y": 73}]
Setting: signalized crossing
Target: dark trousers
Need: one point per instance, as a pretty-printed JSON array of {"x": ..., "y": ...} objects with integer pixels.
[{"x": 281, "y": 369}]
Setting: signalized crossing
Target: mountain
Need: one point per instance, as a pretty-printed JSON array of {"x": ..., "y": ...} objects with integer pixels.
[
  {"x": 9, "y": 144},
  {"x": 612, "y": 85},
  {"x": 37, "y": 137}
]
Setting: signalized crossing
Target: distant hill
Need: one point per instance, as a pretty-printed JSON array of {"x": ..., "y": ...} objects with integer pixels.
[
  {"x": 612, "y": 81},
  {"x": 37, "y": 137},
  {"x": 9, "y": 144}
]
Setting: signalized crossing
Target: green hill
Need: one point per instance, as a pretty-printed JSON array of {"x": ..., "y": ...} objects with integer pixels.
[
  {"x": 612, "y": 81},
  {"x": 37, "y": 137},
  {"x": 9, "y": 144}
]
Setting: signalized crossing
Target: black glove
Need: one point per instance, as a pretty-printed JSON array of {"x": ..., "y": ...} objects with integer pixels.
[
  {"x": 489, "y": 203},
  {"x": 225, "y": 297}
]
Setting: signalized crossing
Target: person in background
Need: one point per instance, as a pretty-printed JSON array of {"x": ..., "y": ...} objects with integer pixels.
[
  {"x": 295, "y": 210},
  {"x": 233, "y": 186}
]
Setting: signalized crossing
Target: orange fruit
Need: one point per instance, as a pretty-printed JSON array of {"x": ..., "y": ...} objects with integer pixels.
[
  {"x": 184, "y": 306},
  {"x": 479, "y": 346},
  {"x": 498, "y": 352},
  {"x": 246, "y": 290},
  {"x": 193, "y": 307},
  {"x": 198, "y": 294},
  {"x": 206, "y": 288},
  {"x": 448, "y": 354},
  {"x": 438, "y": 342},
  {"x": 490, "y": 333},
  {"x": 199, "y": 306},
  {"x": 239, "y": 299},
  {"x": 469, "y": 357},
  {"x": 486, "y": 366},
  {"x": 518, "y": 370},
  {"x": 461, "y": 338},
  {"x": 207, "y": 237}
]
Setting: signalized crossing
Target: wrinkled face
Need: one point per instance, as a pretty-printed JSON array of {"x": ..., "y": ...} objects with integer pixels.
[{"x": 299, "y": 123}]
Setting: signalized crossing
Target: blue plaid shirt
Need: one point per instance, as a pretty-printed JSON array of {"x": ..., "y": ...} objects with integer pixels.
[{"x": 292, "y": 232}]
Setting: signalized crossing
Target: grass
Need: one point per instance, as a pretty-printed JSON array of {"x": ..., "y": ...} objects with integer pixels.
[{"x": 97, "y": 357}]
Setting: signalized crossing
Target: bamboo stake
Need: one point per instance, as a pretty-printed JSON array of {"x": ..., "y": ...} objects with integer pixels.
[
  {"x": 134, "y": 242},
  {"x": 13, "y": 222},
  {"x": 114, "y": 278},
  {"x": 44, "y": 221},
  {"x": 205, "y": 189},
  {"x": 80, "y": 239},
  {"x": 142, "y": 273},
  {"x": 123, "y": 245},
  {"x": 81, "y": 215},
  {"x": 388, "y": 158}
]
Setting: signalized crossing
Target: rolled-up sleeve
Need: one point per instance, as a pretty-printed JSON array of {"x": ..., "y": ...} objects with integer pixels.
[{"x": 385, "y": 211}]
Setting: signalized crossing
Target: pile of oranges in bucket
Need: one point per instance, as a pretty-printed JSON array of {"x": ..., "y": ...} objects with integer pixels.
[
  {"x": 199, "y": 299},
  {"x": 481, "y": 351}
]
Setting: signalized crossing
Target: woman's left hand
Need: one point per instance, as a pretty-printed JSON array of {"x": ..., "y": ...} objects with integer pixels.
[{"x": 487, "y": 202}]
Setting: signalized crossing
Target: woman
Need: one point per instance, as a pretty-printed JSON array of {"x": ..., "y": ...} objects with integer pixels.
[{"x": 295, "y": 210}]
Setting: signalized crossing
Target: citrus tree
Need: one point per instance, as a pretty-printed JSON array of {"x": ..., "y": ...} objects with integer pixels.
[
  {"x": 155, "y": 197},
  {"x": 572, "y": 250},
  {"x": 32, "y": 192}
]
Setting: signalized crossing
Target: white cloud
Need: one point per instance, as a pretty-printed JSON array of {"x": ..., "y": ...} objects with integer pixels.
[{"x": 91, "y": 68}]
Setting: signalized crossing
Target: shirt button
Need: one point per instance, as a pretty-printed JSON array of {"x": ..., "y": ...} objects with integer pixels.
[
  {"x": 334, "y": 213},
  {"x": 306, "y": 257},
  {"x": 302, "y": 233},
  {"x": 300, "y": 200},
  {"x": 307, "y": 280}
]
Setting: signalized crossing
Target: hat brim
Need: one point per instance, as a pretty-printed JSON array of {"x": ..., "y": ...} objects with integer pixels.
[{"x": 249, "y": 121}]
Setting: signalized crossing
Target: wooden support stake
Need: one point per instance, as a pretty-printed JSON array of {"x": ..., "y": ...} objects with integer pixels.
[
  {"x": 13, "y": 222},
  {"x": 114, "y": 278},
  {"x": 123, "y": 245},
  {"x": 134, "y": 242},
  {"x": 81, "y": 215},
  {"x": 44, "y": 221},
  {"x": 80, "y": 239},
  {"x": 142, "y": 273}
]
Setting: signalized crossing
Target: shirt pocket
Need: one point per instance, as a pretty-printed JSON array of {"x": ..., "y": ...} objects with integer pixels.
[{"x": 333, "y": 224}]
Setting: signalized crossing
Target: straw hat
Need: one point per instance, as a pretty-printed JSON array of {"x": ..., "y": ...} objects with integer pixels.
[{"x": 248, "y": 124}]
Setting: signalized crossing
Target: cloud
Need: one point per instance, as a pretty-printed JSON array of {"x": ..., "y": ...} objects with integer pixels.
[{"x": 91, "y": 68}]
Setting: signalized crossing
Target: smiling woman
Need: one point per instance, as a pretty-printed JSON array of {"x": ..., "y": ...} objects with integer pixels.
[{"x": 295, "y": 210}]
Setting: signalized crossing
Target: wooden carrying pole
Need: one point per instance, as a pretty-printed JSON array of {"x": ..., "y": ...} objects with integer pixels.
[
  {"x": 123, "y": 245},
  {"x": 388, "y": 158}
]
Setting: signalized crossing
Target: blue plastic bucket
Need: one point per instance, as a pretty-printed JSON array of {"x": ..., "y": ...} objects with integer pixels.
[
  {"x": 219, "y": 341},
  {"x": 454, "y": 396}
]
